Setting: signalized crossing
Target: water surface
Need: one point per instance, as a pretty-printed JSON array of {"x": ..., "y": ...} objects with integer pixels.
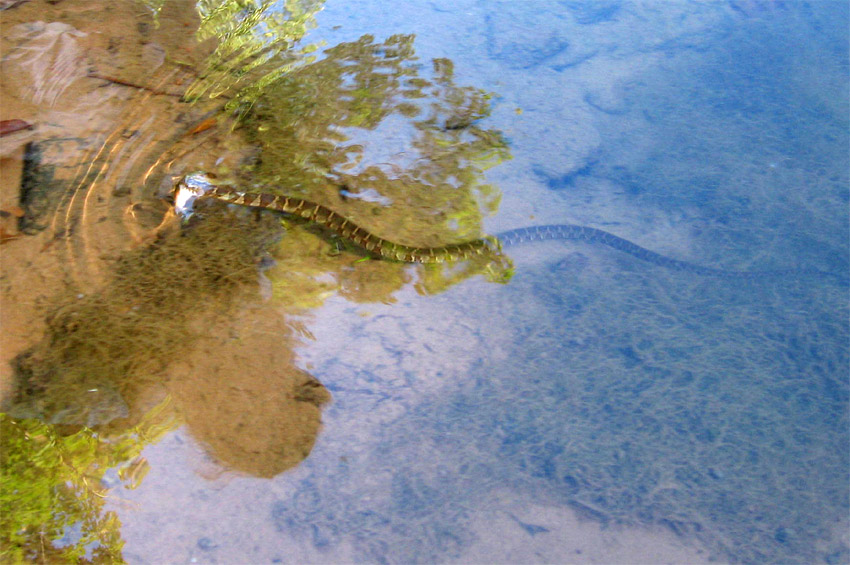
[{"x": 597, "y": 407}]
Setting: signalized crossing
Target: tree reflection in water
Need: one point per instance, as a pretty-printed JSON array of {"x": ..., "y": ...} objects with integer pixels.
[{"x": 178, "y": 331}]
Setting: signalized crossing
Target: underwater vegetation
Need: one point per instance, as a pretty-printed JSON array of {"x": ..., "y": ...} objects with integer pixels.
[
  {"x": 115, "y": 340},
  {"x": 53, "y": 488},
  {"x": 300, "y": 127},
  {"x": 113, "y": 352},
  {"x": 714, "y": 412}
]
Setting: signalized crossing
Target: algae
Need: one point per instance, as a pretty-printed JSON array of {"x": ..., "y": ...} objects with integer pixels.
[
  {"x": 695, "y": 406},
  {"x": 53, "y": 488},
  {"x": 118, "y": 338}
]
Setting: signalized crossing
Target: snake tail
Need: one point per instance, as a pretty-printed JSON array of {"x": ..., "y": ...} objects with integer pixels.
[{"x": 594, "y": 235}]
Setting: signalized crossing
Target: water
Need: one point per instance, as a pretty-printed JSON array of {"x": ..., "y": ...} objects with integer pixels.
[{"x": 596, "y": 408}]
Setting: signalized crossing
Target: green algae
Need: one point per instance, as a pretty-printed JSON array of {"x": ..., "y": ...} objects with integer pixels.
[{"x": 52, "y": 483}]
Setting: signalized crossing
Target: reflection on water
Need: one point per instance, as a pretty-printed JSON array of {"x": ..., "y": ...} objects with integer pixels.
[
  {"x": 166, "y": 316},
  {"x": 121, "y": 291},
  {"x": 468, "y": 421},
  {"x": 55, "y": 487},
  {"x": 242, "y": 396}
]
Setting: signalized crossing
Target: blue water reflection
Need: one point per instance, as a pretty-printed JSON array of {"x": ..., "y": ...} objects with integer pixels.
[{"x": 594, "y": 382}]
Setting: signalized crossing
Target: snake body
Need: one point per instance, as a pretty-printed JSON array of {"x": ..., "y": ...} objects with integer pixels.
[
  {"x": 202, "y": 186},
  {"x": 593, "y": 235},
  {"x": 199, "y": 185}
]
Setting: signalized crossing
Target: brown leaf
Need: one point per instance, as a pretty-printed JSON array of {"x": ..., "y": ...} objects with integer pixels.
[
  {"x": 203, "y": 126},
  {"x": 6, "y": 236},
  {"x": 11, "y": 126},
  {"x": 16, "y": 211}
]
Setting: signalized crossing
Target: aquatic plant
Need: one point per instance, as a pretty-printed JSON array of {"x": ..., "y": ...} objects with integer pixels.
[{"x": 53, "y": 488}]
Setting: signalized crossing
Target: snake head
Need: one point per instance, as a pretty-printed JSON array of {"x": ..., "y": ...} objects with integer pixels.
[{"x": 187, "y": 190}]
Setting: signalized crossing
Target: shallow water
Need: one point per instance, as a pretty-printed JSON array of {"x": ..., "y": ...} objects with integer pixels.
[{"x": 258, "y": 391}]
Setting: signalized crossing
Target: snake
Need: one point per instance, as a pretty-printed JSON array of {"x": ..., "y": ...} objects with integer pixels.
[{"x": 200, "y": 185}]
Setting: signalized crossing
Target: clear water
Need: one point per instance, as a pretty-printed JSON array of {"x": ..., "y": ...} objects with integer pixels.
[{"x": 596, "y": 407}]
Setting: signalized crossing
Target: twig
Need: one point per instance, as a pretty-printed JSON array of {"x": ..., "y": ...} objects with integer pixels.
[{"x": 122, "y": 82}]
